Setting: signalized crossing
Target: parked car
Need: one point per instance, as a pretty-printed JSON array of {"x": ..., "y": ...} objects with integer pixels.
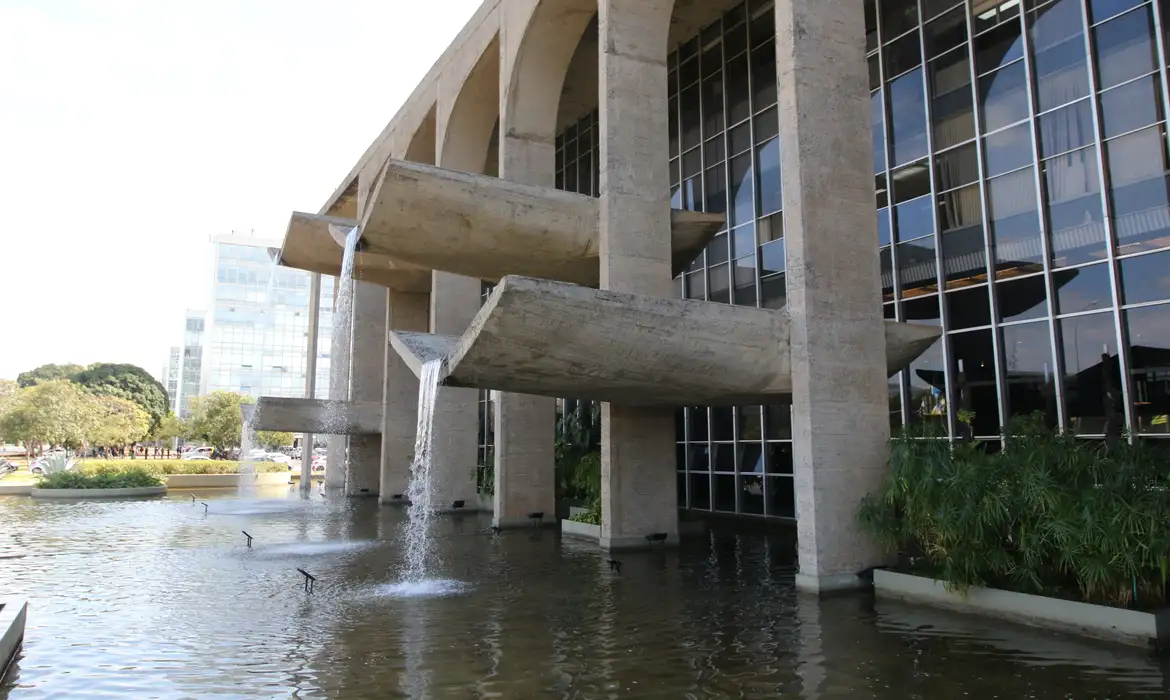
[
  {"x": 193, "y": 457},
  {"x": 278, "y": 457},
  {"x": 7, "y": 467}
]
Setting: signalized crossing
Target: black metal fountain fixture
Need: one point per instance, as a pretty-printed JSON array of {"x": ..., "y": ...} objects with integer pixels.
[
  {"x": 310, "y": 580},
  {"x": 249, "y": 538}
]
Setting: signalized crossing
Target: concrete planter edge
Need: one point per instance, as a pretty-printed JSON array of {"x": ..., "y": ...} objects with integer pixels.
[
  {"x": 16, "y": 490},
  {"x": 13, "y": 614},
  {"x": 211, "y": 481},
  {"x": 99, "y": 493},
  {"x": 1085, "y": 619},
  {"x": 585, "y": 531}
]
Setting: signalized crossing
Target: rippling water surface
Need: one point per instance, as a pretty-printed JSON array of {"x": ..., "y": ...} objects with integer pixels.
[{"x": 156, "y": 599}]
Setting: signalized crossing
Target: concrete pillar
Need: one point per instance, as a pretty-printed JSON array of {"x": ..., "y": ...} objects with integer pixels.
[
  {"x": 638, "y": 486},
  {"x": 405, "y": 312},
  {"x": 454, "y": 302},
  {"x": 840, "y": 422},
  {"x": 367, "y": 367}
]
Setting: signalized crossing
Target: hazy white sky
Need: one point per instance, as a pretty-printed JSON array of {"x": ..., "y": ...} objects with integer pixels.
[{"x": 131, "y": 131}]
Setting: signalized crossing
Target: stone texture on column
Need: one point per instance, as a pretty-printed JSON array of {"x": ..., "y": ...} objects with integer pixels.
[
  {"x": 454, "y": 302},
  {"x": 840, "y": 421},
  {"x": 638, "y": 483},
  {"x": 367, "y": 366},
  {"x": 400, "y": 397}
]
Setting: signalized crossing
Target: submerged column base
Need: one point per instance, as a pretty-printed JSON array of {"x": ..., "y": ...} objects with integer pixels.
[
  {"x": 831, "y": 583},
  {"x": 629, "y": 543}
]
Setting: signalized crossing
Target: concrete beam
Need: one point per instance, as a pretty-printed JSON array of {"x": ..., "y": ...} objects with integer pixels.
[
  {"x": 549, "y": 338},
  {"x": 317, "y": 416},
  {"x": 311, "y": 243}
]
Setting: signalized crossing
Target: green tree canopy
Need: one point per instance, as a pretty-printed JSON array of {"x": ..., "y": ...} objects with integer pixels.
[
  {"x": 9, "y": 390},
  {"x": 272, "y": 440},
  {"x": 55, "y": 412},
  {"x": 169, "y": 428},
  {"x": 47, "y": 373},
  {"x": 216, "y": 419},
  {"x": 128, "y": 382},
  {"x": 119, "y": 422}
]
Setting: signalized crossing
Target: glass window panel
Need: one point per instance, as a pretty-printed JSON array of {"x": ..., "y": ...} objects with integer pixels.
[
  {"x": 908, "y": 118},
  {"x": 764, "y": 74},
  {"x": 713, "y": 150},
  {"x": 681, "y": 484},
  {"x": 927, "y": 378},
  {"x": 957, "y": 167},
  {"x": 1084, "y": 289},
  {"x": 762, "y": 24},
  {"x": 911, "y": 181},
  {"x": 1091, "y": 374},
  {"x": 871, "y": 25},
  {"x": 692, "y": 194},
  {"x": 781, "y": 497},
  {"x": 713, "y": 104},
  {"x": 1074, "y": 208},
  {"x": 696, "y": 285},
  {"x": 768, "y": 158},
  {"x": 743, "y": 240},
  {"x": 716, "y": 190},
  {"x": 1149, "y": 356},
  {"x": 773, "y": 292},
  {"x": 1029, "y": 370},
  {"x": 969, "y": 308},
  {"x": 1066, "y": 129},
  {"x": 914, "y": 219},
  {"x": 771, "y": 228},
  {"x": 903, "y": 54},
  {"x": 897, "y": 18},
  {"x": 886, "y": 270},
  {"x": 1131, "y": 106},
  {"x": 963, "y": 257},
  {"x": 692, "y": 123},
  {"x": 1003, "y": 97},
  {"x": 952, "y": 101},
  {"x": 1022, "y": 299},
  {"x": 988, "y": 13},
  {"x": 1139, "y": 194},
  {"x": 766, "y": 125},
  {"x": 959, "y": 209},
  {"x": 739, "y": 138},
  {"x": 692, "y": 163},
  {"x": 738, "y": 90},
  {"x": 742, "y": 191},
  {"x": 1008, "y": 150},
  {"x": 772, "y": 259},
  {"x": 946, "y": 32},
  {"x": 973, "y": 369},
  {"x": 1125, "y": 48},
  {"x": 719, "y": 285},
  {"x": 723, "y": 425},
  {"x": 717, "y": 250},
  {"x": 697, "y": 420},
  {"x": 882, "y": 190},
  {"x": 751, "y": 495},
  {"x": 779, "y": 459},
  {"x": 735, "y": 31},
  {"x": 688, "y": 72},
  {"x": 1015, "y": 221},
  {"x": 998, "y": 47},
  {"x": 1145, "y": 278},
  {"x": 751, "y": 457},
  {"x": 883, "y": 227},
  {"x": 700, "y": 490},
  {"x": 778, "y": 422},
  {"x": 1058, "y": 48},
  {"x": 930, "y": 8},
  {"x": 1104, "y": 9},
  {"x": 748, "y": 418},
  {"x": 878, "y": 126},
  {"x": 917, "y": 268}
]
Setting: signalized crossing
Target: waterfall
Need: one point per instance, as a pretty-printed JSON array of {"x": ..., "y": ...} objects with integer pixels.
[
  {"x": 418, "y": 544},
  {"x": 340, "y": 352}
]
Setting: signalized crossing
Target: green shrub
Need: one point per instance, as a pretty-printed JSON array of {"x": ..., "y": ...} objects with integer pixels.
[
  {"x": 124, "y": 478},
  {"x": 176, "y": 466},
  {"x": 579, "y": 478},
  {"x": 1049, "y": 514},
  {"x": 591, "y": 516}
]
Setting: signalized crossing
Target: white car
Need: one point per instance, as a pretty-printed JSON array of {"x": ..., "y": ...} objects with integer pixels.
[
  {"x": 194, "y": 457},
  {"x": 279, "y": 458}
]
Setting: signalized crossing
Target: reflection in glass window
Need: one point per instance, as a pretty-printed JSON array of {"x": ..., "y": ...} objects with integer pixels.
[
  {"x": 778, "y": 422},
  {"x": 1145, "y": 278},
  {"x": 781, "y": 497},
  {"x": 742, "y": 191},
  {"x": 998, "y": 47},
  {"x": 1141, "y": 202},
  {"x": 927, "y": 379},
  {"x": 917, "y": 267},
  {"x": 779, "y": 460},
  {"x": 768, "y": 158},
  {"x": 908, "y": 118},
  {"x": 1131, "y": 106},
  {"x": 1058, "y": 54},
  {"x": 773, "y": 292},
  {"x": 1003, "y": 97},
  {"x": 1015, "y": 223},
  {"x": 946, "y": 32},
  {"x": 1149, "y": 356},
  {"x": 903, "y": 54},
  {"x": 952, "y": 100},
  {"x": 963, "y": 258},
  {"x": 1066, "y": 129},
  {"x": 922, "y": 309},
  {"x": 1007, "y": 150},
  {"x": 1125, "y": 48},
  {"x": 1085, "y": 289},
  {"x": 973, "y": 367},
  {"x": 700, "y": 491},
  {"x": 897, "y": 18},
  {"x": 956, "y": 167},
  {"x": 878, "y": 125},
  {"x": 1023, "y": 298},
  {"x": 969, "y": 308},
  {"x": 1075, "y": 216},
  {"x": 751, "y": 495},
  {"x": 1029, "y": 370},
  {"x": 1091, "y": 372}
]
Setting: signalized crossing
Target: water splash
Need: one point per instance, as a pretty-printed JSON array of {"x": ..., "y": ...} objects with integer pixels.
[
  {"x": 340, "y": 352},
  {"x": 418, "y": 542}
]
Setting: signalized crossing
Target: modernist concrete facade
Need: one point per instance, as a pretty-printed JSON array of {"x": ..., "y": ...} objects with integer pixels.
[{"x": 599, "y": 144}]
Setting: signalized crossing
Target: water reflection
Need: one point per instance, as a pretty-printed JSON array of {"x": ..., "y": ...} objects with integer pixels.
[{"x": 156, "y": 599}]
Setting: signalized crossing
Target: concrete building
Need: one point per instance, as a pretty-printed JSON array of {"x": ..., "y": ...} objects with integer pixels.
[
  {"x": 993, "y": 172},
  {"x": 191, "y": 364},
  {"x": 171, "y": 376}
]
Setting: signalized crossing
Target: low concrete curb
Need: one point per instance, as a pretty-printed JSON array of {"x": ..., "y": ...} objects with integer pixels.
[
  {"x": 213, "y": 481},
  {"x": 16, "y": 490},
  {"x": 584, "y": 531},
  {"x": 99, "y": 493},
  {"x": 1097, "y": 621},
  {"x": 13, "y": 614}
]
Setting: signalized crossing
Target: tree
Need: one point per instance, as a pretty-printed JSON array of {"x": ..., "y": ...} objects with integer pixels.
[
  {"x": 128, "y": 382},
  {"x": 273, "y": 440},
  {"x": 119, "y": 422},
  {"x": 169, "y": 428},
  {"x": 216, "y": 419},
  {"x": 47, "y": 373},
  {"x": 8, "y": 392},
  {"x": 55, "y": 412}
]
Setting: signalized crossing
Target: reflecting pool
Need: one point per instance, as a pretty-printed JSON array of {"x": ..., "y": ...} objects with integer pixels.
[{"x": 163, "y": 599}]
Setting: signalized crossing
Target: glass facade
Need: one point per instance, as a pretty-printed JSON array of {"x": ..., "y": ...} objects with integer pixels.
[
  {"x": 1022, "y": 204},
  {"x": 259, "y": 323},
  {"x": 192, "y": 362}
]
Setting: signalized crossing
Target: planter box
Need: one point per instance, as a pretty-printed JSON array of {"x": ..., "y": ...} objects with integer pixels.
[
  {"x": 585, "y": 531},
  {"x": 1098, "y": 621},
  {"x": 222, "y": 481},
  {"x": 12, "y": 617},
  {"x": 99, "y": 493},
  {"x": 16, "y": 490}
]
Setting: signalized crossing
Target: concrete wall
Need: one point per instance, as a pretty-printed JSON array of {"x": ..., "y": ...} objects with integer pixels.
[{"x": 400, "y": 408}]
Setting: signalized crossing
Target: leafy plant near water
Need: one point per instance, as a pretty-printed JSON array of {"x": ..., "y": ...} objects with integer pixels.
[
  {"x": 591, "y": 516},
  {"x": 1049, "y": 514},
  {"x": 578, "y": 455},
  {"x": 125, "y": 478},
  {"x": 175, "y": 466},
  {"x": 55, "y": 464}
]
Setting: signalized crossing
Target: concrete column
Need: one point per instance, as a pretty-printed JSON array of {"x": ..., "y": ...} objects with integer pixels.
[
  {"x": 840, "y": 423},
  {"x": 367, "y": 367},
  {"x": 638, "y": 487},
  {"x": 454, "y": 302},
  {"x": 405, "y": 312}
]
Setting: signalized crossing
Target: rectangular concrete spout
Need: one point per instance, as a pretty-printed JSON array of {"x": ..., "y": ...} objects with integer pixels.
[{"x": 317, "y": 416}]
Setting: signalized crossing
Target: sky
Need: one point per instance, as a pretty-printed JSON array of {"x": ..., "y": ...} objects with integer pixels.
[{"x": 132, "y": 131}]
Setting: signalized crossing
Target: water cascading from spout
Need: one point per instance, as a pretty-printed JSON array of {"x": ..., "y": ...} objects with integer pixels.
[
  {"x": 342, "y": 341},
  {"x": 421, "y": 510}
]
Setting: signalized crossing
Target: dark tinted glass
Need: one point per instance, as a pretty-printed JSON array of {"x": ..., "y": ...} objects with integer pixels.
[{"x": 1145, "y": 278}]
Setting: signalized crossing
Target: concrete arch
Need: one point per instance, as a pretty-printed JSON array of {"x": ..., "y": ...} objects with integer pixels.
[
  {"x": 422, "y": 144},
  {"x": 471, "y": 116}
]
